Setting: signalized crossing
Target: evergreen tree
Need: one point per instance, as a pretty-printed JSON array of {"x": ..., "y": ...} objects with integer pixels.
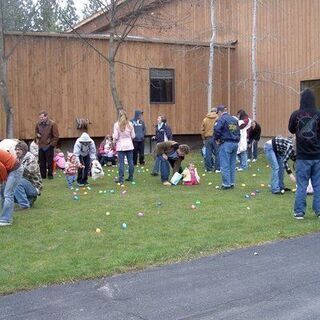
[
  {"x": 68, "y": 15},
  {"x": 18, "y": 14},
  {"x": 47, "y": 16},
  {"x": 91, "y": 7}
]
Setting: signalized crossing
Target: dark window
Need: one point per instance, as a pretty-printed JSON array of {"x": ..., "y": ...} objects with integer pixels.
[
  {"x": 161, "y": 86},
  {"x": 314, "y": 85}
]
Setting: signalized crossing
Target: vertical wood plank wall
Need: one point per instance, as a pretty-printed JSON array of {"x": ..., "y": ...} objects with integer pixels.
[{"x": 67, "y": 78}]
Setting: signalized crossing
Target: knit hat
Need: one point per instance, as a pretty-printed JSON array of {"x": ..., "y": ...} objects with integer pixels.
[
  {"x": 84, "y": 138},
  {"x": 70, "y": 155},
  {"x": 22, "y": 146}
]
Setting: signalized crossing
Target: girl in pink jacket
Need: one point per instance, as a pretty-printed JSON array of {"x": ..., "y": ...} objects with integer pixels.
[{"x": 123, "y": 133}]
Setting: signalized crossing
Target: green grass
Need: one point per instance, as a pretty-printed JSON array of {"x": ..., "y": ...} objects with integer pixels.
[{"x": 57, "y": 241}]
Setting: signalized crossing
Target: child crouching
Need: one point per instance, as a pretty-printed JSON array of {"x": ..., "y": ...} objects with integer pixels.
[
  {"x": 71, "y": 169},
  {"x": 190, "y": 175}
]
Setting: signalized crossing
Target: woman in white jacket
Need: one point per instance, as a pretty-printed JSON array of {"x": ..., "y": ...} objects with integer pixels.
[{"x": 244, "y": 124}]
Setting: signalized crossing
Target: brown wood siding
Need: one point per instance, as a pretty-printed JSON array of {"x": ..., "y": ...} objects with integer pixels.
[{"x": 70, "y": 80}]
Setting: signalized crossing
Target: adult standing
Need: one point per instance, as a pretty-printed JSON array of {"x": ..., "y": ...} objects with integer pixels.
[
  {"x": 10, "y": 176},
  {"x": 30, "y": 185},
  {"x": 227, "y": 135},
  {"x": 48, "y": 134},
  {"x": 209, "y": 142},
  {"x": 254, "y": 135},
  {"x": 123, "y": 134},
  {"x": 278, "y": 152},
  {"x": 244, "y": 125},
  {"x": 163, "y": 133},
  {"x": 138, "y": 141},
  {"x": 85, "y": 151},
  {"x": 305, "y": 124}
]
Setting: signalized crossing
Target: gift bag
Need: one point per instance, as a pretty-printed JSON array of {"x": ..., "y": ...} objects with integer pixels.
[{"x": 176, "y": 178}]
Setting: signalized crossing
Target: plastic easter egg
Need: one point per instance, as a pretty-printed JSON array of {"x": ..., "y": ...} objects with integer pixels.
[
  {"x": 140, "y": 214},
  {"x": 98, "y": 230},
  {"x": 124, "y": 226}
]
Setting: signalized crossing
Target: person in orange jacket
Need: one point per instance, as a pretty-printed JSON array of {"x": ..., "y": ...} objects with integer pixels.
[{"x": 10, "y": 176}]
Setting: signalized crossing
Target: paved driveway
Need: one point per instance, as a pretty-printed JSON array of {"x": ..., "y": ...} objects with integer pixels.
[{"x": 280, "y": 281}]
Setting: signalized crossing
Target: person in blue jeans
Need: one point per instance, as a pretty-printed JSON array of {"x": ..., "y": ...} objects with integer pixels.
[
  {"x": 305, "y": 124},
  {"x": 170, "y": 153},
  {"x": 254, "y": 135},
  {"x": 227, "y": 135},
  {"x": 10, "y": 177},
  {"x": 278, "y": 152}
]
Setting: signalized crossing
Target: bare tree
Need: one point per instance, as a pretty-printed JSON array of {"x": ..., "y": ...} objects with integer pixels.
[
  {"x": 211, "y": 57},
  {"x": 254, "y": 60}
]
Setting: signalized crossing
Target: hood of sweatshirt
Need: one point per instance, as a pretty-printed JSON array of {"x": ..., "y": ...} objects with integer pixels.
[
  {"x": 307, "y": 100},
  {"x": 212, "y": 115},
  {"x": 137, "y": 114}
]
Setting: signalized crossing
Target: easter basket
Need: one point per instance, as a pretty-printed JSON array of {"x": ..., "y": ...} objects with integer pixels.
[{"x": 176, "y": 178}]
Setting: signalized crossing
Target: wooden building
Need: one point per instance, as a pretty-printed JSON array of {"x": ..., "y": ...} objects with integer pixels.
[{"x": 63, "y": 74}]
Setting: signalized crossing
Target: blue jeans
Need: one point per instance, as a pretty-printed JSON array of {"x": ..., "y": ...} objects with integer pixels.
[
  {"x": 277, "y": 168},
  {"x": 243, "y": 157},
  {"x": 253, "y": 150},
  {"x": 156, "y": 166},
  {"x": 129, "y": 155},
  {"x": 216, "y": 155},
  {"x": 208, "y": 159},
  {"x": 164, "y": 168},
  {"x": 305, "y": 170},
  {"x": 70, "y": 180},
  {"x": 7, "y": 190},
  {"x": 228, "y": 158},
  {"x": 25, "y": 193}
]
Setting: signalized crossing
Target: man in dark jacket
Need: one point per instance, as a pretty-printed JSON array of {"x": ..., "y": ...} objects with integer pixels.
[
  {"x": 138, "y": 141},
  {"x": 227, "y": 135},
  {"x": 305, "y": 124},
  {"x": 48, "y": 134}
]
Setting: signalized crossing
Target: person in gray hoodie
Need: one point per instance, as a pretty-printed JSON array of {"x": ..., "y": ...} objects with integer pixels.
[{"x": 138, "y": 141}]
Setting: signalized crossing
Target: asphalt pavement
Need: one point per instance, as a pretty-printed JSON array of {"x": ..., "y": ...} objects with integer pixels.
[{"x": 274, "y": 281}]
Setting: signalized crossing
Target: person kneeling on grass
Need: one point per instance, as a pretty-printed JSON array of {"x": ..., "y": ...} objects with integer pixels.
[
  {"x": 10, "y": 176},
  {"x": 30, "y": 186},
  {"x": 170, "y": 153},
  {"x": 190, "y": 175}
]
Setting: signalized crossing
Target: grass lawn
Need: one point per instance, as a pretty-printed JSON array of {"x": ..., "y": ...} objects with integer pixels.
[{"x": 57, "y": 241}]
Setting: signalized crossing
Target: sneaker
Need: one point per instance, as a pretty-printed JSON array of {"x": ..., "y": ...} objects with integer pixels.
[
  {"x": 129, "y": 179},
  {"x": 217, "y": 171},
  {"x": 21, "y": 209},
  {"x": 249, "y": 160},
  {"x": 254, "y": 160},
  {"x": 50, "y": 177},
  {"x": 239, "y": 169},
  {"x": 277, "y": 192},
  {"x": 80, "y": 184},
  {"x": 154, "y": 174},
  {"x": 287, "y": 189},
  {"x": 4, "y": 223},
  {"x": 299, "y": 216},
  {"x": 225, "y": 187},
  {"x": 166, "y": 183}
]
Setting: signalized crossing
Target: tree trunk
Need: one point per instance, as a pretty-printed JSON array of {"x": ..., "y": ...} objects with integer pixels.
[
  {"x": 254, "y": 61},
  {"x": 211, "y": 57},
  {"x": 112, "y": 53},
  {"x": 112, "y": 77},
  {"x": 4, "y": 92}
]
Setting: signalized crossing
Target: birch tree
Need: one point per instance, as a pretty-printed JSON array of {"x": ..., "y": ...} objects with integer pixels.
[
  {"x": 254, "y": 60},
  {"x": 211, "y": 56}
]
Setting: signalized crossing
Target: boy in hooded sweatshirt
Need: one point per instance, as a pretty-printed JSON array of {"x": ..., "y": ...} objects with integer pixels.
[
  {"x": 209, "y": 142},
  {"x": 138, "y": 141},
  {"x": 305, "y": 124}
]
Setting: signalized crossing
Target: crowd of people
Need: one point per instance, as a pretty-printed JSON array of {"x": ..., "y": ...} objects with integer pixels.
[{"x": 225, "y": 138}]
